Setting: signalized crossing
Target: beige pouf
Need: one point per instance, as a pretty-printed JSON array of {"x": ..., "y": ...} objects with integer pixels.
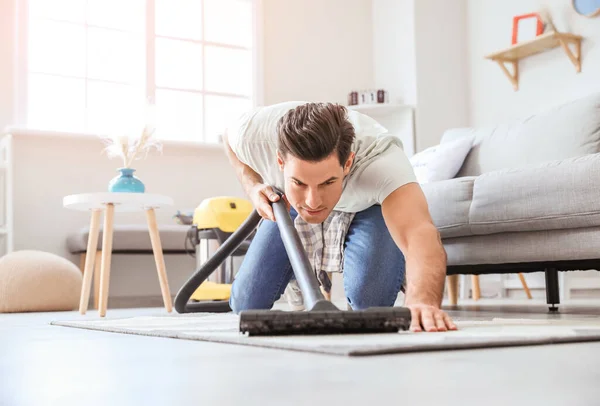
[{"x": 36, "y": 281}]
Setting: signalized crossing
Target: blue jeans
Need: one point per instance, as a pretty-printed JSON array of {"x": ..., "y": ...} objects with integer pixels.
[{"x": 374, "y": 266}]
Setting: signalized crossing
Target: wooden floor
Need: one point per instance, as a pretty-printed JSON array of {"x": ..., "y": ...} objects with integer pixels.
[{"x": 50, "y": 365}]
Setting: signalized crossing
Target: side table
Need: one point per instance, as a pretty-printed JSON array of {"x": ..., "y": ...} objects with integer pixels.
[{"x": 109, "y": 202}]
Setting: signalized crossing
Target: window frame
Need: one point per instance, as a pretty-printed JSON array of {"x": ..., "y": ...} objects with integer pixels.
[{"x": 22, "y": 71}]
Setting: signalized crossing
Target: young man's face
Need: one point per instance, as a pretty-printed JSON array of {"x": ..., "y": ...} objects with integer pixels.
[{"x": 314, "y": 188}]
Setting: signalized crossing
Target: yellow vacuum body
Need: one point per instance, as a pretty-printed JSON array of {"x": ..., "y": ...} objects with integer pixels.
[
  {"x": 224, "y": 214},
  {"x": 212, "y": 291}
]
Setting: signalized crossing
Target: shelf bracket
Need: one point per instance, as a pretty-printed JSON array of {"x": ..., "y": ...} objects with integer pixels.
[
  {"x": 575, "y": 58},
  {"x": 513, "y": 77}
]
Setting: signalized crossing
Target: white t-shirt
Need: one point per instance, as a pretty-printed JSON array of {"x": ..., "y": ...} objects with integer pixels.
[{"x": 380, "y": 165}]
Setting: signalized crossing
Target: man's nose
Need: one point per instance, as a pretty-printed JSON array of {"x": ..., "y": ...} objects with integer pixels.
[{"x": 313, "y": 200}]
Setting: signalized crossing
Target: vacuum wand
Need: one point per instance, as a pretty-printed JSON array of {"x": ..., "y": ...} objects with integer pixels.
[{"x": 313, "y": 298}]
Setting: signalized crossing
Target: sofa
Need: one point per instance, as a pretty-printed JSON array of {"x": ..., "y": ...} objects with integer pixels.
[{"x": 526, "y": 197}]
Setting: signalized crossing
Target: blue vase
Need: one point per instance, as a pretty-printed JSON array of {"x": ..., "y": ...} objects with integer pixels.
[{"x": 126, "y": 182}]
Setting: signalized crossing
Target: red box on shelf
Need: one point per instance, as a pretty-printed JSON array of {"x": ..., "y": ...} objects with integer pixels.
[{"x": 531, "y": 26}]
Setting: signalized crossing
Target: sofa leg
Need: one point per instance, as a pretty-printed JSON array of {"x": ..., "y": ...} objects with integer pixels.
[
  {"x": 552, "y": 293},
  {"x": 476, "y": 287},
  {"x": 452, "y": 282}
]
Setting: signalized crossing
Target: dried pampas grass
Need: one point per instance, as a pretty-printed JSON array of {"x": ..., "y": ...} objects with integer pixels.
[{"x": 130, "y": 149}]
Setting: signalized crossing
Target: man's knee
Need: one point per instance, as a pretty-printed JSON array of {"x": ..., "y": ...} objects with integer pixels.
[
  {"x": 359, "y": 299},
  {"x": 373, "y": 287},
  {"x": 238, "y": 301},
  {"x": 241, "y": 300},
  {"x": 235, "y": 304}
]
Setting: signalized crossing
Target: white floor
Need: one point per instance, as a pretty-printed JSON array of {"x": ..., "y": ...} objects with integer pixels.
[{"x": 49, "y": 365}]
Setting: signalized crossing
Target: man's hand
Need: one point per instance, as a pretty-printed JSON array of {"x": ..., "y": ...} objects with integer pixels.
[
  {"x": 262, "y": 196},
  {"x": 429, "y": 318}
]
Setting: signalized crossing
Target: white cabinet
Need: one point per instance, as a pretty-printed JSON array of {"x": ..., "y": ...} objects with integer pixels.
[
  {"x": 398, "y": 119},
  {"x": 6, "y": 174}
]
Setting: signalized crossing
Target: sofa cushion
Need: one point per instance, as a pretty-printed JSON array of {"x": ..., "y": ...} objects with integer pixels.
[
  {"x": 569, "y": 130},
  {"x": 133, "y": 237},
  {"x": 441, "y": 162},
  {"x": 554, "y": 195},
  {"x": 449, "y": 202}
]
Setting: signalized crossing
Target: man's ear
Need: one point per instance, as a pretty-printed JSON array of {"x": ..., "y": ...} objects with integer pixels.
[
  {"x": 279, "y": 161},
  {"x": 348, "y": 163}
]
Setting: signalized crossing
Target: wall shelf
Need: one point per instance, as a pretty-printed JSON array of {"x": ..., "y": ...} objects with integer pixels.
[
  {"x": 543, "y": 42},
  {"x": 378, "y": 108}
]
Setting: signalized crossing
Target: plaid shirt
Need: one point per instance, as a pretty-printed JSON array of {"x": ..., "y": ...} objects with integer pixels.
[{"x": 324, "y": 244}]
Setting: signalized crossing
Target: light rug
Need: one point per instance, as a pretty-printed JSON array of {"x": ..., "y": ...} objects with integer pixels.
[{"x": 223, "y": 328}]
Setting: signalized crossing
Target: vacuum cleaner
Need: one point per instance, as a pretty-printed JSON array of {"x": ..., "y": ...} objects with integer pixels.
[
  {"x": 320, "y": 317},
  {"x": 214, "y": 221}
]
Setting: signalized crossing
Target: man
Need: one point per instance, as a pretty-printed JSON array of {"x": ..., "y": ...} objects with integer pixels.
[{"x": 345, "y": 178}]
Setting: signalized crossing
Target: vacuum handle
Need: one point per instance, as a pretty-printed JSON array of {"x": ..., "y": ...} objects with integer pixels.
[{"x": 297, "y": 255}]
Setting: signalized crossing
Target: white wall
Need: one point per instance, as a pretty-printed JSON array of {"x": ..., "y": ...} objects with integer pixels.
[
  {"x": 394, "y": 61},
  {"x": 420, "y": 50},
  {"x": 394, "y": 49},
  {"x": 441, "y": 68},
  {"x": 546, "y": 79},
  {"x": 316, "y": 50}
]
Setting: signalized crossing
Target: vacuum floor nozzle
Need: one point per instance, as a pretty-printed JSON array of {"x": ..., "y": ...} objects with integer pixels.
[{"x": 277, "y": 322}]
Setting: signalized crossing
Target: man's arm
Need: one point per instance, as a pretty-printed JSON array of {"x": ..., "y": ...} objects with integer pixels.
[
  {"x": 252, "y": 183},
  {"x": 407, "y": 217},
  {"x": 246, "y": 175}
]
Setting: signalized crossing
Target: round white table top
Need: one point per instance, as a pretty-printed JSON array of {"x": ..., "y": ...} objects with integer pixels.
[{"x": 123, "y": 202}]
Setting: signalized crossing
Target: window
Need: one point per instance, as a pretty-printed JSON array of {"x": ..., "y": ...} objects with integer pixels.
[{"x": 94, "y": 66}]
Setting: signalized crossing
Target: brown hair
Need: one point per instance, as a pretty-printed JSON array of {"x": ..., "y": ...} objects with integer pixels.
[{"x": 313, "y": 131}]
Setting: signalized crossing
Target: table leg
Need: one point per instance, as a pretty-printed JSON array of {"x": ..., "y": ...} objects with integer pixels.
[
  {"x": 107, "y": 239},
  {"x": 527, "y": 291},
  {"x": 97, "y": 273},
  {"x": 90, "y": 255},
  {"x": 159, "y": 259}
]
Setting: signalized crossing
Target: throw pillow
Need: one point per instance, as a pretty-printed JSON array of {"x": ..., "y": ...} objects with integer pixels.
[{"x": 442, "y": 161}]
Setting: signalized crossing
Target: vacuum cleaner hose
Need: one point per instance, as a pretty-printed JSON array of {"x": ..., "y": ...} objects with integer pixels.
[{"x": 182, "y": 304}]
